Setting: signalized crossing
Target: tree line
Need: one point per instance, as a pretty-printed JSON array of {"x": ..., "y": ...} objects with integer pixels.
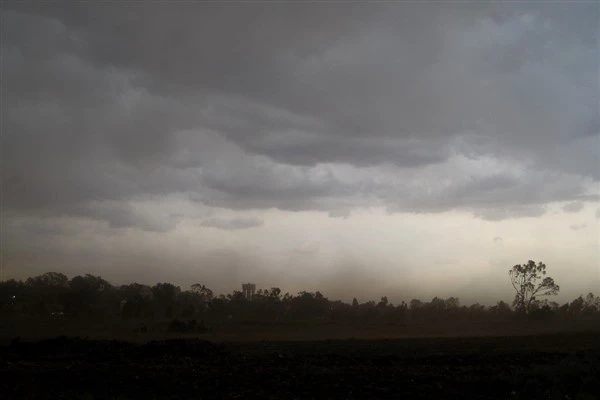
[{"x": 53, "y": 294}]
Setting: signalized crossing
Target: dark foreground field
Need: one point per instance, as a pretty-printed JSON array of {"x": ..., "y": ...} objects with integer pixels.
[{"x": 565, "y": 366}]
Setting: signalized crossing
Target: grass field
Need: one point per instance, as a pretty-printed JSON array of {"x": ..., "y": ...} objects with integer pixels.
[{"x": 556, "y": 366}]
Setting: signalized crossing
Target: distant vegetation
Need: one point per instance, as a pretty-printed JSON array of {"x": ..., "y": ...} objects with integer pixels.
[{"x": 53, "y": 294}]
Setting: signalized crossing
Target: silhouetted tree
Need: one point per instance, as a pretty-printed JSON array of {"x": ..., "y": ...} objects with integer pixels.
[
  {"x": 11, "y": 295},
  {"x": 275, "y": 293},
  {"x": 576, "y": 306},
  {"x": 415, "y": 304},
  {"x": 452, "y": 303},
  {"x": 49, "y": 279},
  {"x": 92, "y": 296},
  {"x": 88, "y": 293},
  {"x": 165, "y": 296},
  {"x": 46, "y": 292},
  {"x": 501, "y": 309},
  {"x": 592, "y": 305},
  {"x": 136, "y": 301},
  {"x": 525, "y": 280},
  {"x": 202, "y": 294}
]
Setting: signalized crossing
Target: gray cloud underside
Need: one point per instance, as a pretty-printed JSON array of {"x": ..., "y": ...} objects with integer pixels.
[
  {"x": 492, "y": 108},
  {"x": 232, "y": 223}
]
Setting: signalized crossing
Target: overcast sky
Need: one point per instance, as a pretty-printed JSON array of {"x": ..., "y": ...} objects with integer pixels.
[{"x": 361, "y": 149}]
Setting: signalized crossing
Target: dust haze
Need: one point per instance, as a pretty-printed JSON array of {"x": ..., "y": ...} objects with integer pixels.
[{"x": 362, "y": 150}]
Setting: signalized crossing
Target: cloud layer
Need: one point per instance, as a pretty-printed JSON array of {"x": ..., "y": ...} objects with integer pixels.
[
  {"x": 488, "y": 109},
  {"x": 232, "y": 223}
]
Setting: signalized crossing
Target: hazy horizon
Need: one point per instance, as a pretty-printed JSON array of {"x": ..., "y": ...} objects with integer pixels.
[{"x": 407, "y": 150}]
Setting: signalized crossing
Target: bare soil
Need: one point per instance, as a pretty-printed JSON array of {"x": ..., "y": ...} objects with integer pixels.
[{"x": 558, "y": 366}]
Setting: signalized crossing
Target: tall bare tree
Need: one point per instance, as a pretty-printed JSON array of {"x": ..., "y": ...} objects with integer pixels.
[{"x": 530, "y": 282}]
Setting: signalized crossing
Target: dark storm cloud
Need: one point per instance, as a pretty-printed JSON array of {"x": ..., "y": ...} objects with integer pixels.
[{"x": 297, "y": 106}]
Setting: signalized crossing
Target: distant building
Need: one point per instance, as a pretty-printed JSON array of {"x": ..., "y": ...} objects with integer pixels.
[{"x": 248, "y": 290}]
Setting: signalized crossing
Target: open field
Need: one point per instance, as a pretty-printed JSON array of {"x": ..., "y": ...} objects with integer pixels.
[
  {"x": 38, "y": 328},
  {"x": 558, "y": 366}
]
